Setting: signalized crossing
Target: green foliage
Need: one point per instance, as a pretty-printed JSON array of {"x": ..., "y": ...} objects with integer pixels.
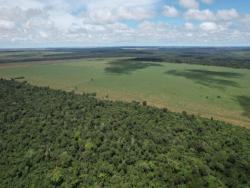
[
  {"x": 65, "y": 159},
  {"x": 51, "y": 138},
  {"x": 56, "y": 176},
  {"x": 89, "y": 145}
]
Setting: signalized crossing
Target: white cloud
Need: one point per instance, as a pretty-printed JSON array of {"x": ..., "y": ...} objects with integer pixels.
[
  {"x": 113, "y": 10},
  {"x": 208, "y": 15},
  {"x": 5, "y": 24},
  {"x": 245, "y": 20},
  {"x": 190, "y": 4},
  {"x": 23, "y": 4},
  {"x": 43, "y": 34},
  {"x": 101, "y": 22},
  {"x": 227, "y": 14},
  {"x": 63, "y": 20},
  {"x": 170, "y": 11},
  {"x": 32, "y": 17},
  {"x": 118, "y": 3},
  {"x": 189, "y": 26},
  {"x": 208, "y": 26},
  {"x": 107, "y": 15},
  {"x": 137, "y": 13},
  {"x": 212, "y": 27},
  {"x": 195, "y": 14}
]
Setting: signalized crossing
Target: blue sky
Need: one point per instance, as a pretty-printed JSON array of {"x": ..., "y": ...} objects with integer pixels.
[{"x": 87, "y": 23}]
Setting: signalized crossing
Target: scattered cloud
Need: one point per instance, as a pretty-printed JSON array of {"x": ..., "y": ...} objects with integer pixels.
[
  {"x": 209, "y": 26},
  {"x": 189, "y": 4},
  {"x": 189, "y": 26},
  {"x": 227, "y": 14},
  {"x": 195, "y": 14},
  {"x": 119, "y": 22},
  {"x": 245, "y": 20},
  {"x": 170, "y": 11},
  {"x": 104, "y": 15},
  {"x": 208, "y": 15},
  {"x": 5, "y": 24}
]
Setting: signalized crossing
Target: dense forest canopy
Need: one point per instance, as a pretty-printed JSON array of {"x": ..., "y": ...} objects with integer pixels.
[
  {"x": 51, "y": 138},
  {"x": 236, "y": 57}
]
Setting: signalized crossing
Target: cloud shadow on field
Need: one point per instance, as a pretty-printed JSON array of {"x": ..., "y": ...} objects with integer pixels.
[
  {"x": 208, "y": 78},
  {"x": 127, "y": 66},
  {"x": 244, "y": 101}
]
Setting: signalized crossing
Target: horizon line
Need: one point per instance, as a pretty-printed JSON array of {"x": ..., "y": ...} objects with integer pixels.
[{"x": 127, "y": 46}]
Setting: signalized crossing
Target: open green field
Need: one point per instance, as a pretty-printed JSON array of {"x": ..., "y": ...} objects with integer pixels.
[{"x": 218, "y": 92}]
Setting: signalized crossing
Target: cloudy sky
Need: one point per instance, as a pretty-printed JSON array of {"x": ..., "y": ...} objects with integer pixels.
[{"x": 86, "y": 23}]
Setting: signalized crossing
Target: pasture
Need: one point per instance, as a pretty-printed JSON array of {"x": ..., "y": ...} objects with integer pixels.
[{"x": 218, "y": 92}]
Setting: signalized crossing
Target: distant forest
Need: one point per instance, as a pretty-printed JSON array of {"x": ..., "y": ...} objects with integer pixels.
[
  {"x": 226, "y": 57},
  {"x": 52, "y": 138}
]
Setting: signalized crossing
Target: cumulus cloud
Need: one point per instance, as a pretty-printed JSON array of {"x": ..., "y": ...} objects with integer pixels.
[
  {"x": 104, "y": 15},
  {"x": 212, "y": 27},
  {"x": 117, "y": 22},
  {"x": 189, "y": 26},
  {"x": 5, "y": 24},
  {"x": 245, "y": 20},
  {"x": 208, "y": 26},
  {"x": 195, "y": 14},
  {"x": 227, "y": 14},
  {"x": 113, "y": 10},
  {"x": 23, "y": 4},
  {"x": 190, "y": 4},
  {"x": 208, "y": 15},
  {"x": 59, "y": 16},
  {"x": 170, "y": 11},
  {"x": 118, "y": 3}
]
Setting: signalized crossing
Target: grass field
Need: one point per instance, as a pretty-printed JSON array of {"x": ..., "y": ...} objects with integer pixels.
[{"x": 218, "y": 92}]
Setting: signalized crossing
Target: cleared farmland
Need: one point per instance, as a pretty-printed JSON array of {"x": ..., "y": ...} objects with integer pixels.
[{"x": 218, "y": 92}]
